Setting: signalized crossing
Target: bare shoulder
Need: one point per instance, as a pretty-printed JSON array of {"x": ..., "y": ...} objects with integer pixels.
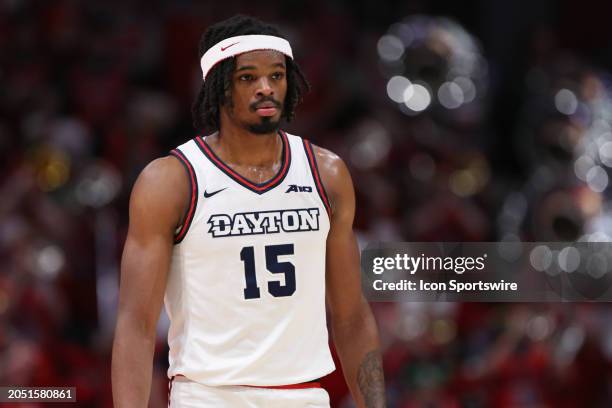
[
  {"x": 335, "y": 176},
  {"x": 164, "y": 173},
  {"x": 161, "y": 191},
  {"x": 328, "y": 162}
]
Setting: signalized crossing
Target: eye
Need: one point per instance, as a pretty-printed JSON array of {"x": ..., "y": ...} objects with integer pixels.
[
  {"x": 278, "y": 75},
  {"x": 246, "y": 77}
]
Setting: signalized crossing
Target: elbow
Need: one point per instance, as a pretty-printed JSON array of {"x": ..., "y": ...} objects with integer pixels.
[{"x": 133, "y": 325}]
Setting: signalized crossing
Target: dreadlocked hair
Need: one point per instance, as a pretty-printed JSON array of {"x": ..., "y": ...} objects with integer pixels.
[{"x": 215, "y": 91}]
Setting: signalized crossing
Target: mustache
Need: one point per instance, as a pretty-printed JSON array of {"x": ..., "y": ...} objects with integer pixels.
[{"x": 257, "y": 104}]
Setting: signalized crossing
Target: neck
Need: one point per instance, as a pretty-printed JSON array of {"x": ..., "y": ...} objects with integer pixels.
[{"x": 237, "y": 145}]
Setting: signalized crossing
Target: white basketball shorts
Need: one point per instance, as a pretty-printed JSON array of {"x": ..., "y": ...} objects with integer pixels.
[{"x": 188, "y": 394}]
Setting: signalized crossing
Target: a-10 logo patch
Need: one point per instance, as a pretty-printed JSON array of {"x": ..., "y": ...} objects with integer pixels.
[
  {"x": 264, "y": 222},
  {"x": 294, "y": 188}
]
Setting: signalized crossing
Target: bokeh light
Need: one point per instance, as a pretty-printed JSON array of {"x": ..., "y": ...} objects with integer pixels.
[
  {"x": 566, "y": 102},
  {"x": 396, "y": 88},
  {"x": 419, "y": 99},
  {"x": 450, "y": 95},
  {"x": 390, "y": 48}
]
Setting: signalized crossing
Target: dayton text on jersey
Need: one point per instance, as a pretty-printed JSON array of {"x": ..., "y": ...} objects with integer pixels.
[{"x": 264, "y": 222}]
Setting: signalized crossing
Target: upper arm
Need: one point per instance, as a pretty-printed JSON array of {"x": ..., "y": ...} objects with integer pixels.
[
  {"x": 343, "y": 279},
  {"x": 157, "y": 203}
]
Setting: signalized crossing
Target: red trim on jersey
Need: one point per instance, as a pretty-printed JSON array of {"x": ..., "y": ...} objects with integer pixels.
[
  {"x": 229, "y": 171},
  {"x": 317, "y": 177},
  {"x": 312, "y": 384},
  {"x": 170, "y": 390},
  {"x": 193, "y": 192}
]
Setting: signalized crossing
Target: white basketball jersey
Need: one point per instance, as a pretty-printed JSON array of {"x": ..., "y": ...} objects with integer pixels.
[{"x": 246, "y": 290}]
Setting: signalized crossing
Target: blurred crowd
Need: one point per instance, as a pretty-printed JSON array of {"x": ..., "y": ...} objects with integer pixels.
[{"x": 456, "y": 127}]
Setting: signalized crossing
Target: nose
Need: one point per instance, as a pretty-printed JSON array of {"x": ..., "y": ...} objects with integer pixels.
[{"x": 264, "y": 87}]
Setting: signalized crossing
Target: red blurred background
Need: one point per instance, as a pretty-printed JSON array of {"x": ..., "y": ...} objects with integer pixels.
[{"x": 460, "y": 121}]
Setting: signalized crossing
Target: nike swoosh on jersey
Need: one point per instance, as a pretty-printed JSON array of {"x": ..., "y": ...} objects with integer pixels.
[{"x": 208, "y": 195}]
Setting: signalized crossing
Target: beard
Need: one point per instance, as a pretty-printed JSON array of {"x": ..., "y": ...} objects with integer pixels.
[{"x": 267, "y": 125}]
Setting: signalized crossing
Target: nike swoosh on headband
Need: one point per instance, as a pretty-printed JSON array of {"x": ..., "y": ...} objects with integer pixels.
[{"x": 225, "y": 48}]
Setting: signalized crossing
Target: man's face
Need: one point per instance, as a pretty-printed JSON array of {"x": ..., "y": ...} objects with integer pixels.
[{"x": 258, "y": 90}]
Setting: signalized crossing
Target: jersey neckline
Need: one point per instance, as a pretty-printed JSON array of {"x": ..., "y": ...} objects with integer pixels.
[{"x": 258, "y": 188}]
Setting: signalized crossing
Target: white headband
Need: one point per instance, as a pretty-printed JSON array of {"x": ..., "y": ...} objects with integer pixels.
[{"x": 233, "y": 46}]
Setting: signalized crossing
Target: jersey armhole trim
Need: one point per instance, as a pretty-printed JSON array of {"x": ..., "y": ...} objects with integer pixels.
[
  {"x": 193, "y": 195},
  {"x": 314, "y": 169}
]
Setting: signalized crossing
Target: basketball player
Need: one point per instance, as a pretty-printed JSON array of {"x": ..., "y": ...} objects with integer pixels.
[{"x": 247, "y": 231}]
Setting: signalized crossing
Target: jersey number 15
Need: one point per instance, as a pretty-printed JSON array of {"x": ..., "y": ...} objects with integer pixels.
[{"x": 247, "y": 255}]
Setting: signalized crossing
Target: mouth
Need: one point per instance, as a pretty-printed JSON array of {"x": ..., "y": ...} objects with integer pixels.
[
  {"x": 266, "y": 111},
  {"x": 266, "y": 108}
]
